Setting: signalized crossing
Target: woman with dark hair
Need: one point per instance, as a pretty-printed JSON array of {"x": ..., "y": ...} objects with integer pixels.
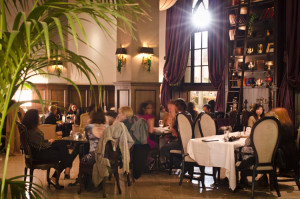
[
  {"x": 93, "y": 132},
  {"x": 192, "y": 111},
  {"x": 145, "y": 112},
  {"x": 257, "y": 114},
  {"x": 47, "y": 150}
]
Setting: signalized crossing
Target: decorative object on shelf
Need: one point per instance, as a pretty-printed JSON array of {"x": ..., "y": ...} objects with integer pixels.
[
  {"x": 259, "y": 82},
  {"x": 268, "y": 13},
  {"x": 268, "y": 80},
  {"x": 260, "y": 48},
  {"x": 235, "y": 104},
  {"x": 243, "y": 10},
  {"x": 249, "y": 50},
  {"x": 121, "y": 53},
  {"x": 251, "y": 65},
  {"x": 231, "y": 34},
  {"x": 147, "y": 53},
  {"x": 269, "y": 64},
  {"x": 166, "y": 4},
  {"x": 253, "y": 17},
  {"x": 270, "y": 48},
  {"x": 245, "y": 105},
  {"x": 232, "y": 19}
]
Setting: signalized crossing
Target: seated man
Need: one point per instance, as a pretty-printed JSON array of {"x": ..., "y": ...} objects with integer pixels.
[
  {"x": 207, "y": 109},
  {"x": 174, "y": 142},
  {"x": 52, "y": 119}
]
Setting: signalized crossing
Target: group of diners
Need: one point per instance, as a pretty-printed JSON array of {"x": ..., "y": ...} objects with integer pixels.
[{"x": 58, "y": 150}]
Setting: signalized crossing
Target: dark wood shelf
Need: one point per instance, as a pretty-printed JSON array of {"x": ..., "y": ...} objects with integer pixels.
[{"x": 259, "y": 3}]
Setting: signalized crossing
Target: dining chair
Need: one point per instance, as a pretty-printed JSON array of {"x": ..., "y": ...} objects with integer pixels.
[
  {"x": 49, "y": 131},
  {"x": 185, "y": 133},
  {"x": 208, "y": 127},
  {"x": 265, "y": 137},
  {"x": 196, "y": 127},
  {"x": 30, "y": 162},
  {"x": 83, "y": 121}
]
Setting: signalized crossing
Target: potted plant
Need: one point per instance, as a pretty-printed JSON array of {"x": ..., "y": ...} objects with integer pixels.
[{"x": 26, "y": 49}]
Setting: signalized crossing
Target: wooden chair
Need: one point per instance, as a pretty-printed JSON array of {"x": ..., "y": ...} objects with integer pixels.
[
  {"x": 84, "y": 118},
  {"x": 87, "y": 169},
  {"x": 31, "y": 163},
  {"x": 265, "y": 136},
  {"x": 208, "y": 127},
  {"x": 196, "y": 127},
  {"x": 49, "y": 131},
  {"x": 185, "y": 133}
]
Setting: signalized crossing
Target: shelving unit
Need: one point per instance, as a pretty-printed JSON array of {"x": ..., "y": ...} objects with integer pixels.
[{"x": 252, "y": 53}]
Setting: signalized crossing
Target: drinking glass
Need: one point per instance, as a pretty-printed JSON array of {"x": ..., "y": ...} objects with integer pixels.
[{"x": 160, "y": 123}]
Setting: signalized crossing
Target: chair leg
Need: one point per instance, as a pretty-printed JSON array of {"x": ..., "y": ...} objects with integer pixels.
[
  {"x": 276, "y": 183},
  {"x": 118, "y": 180},
  {"x": 202, "y": 176},
  {"x": 80, "y": 180},
  {"x": 253, "y": 182},
  {"x": 191, "y": 172},
  {"x": 48, "y": 179},
  {"x": 219, "y": 174},
  {"x": 182, "y": 172},
  {"x": 128, "y": 179},
  {"x": 171, "y": 164},
  {"x": 297, "y": 177},
  {"x": 104, "y": 187},
  {"x": 31, "y": 178},
  {"x": 25, "y": 174},
  {"x": 215, "y": 170}
]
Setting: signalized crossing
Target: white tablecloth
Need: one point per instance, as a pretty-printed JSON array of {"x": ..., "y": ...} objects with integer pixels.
[{"x": 216, "y": 154}]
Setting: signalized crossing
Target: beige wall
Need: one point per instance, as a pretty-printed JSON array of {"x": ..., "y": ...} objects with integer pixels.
[
  {"x": 147, "y": 34},
  {"x": 162, "y": 42},
  {"x": 101, "y": 51}
]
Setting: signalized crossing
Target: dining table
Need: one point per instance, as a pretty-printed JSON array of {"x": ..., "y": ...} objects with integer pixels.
[{"x": 214, "y": 151}]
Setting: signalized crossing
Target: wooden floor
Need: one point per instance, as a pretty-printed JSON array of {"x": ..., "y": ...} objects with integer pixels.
[{"x": 157, "y": 185}]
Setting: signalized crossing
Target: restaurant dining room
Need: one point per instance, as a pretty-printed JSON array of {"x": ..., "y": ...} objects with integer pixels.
[{"x": 149, "y": 99}]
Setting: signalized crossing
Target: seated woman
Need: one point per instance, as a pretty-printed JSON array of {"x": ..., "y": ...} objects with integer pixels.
[
  {"x": 71, "y": 114},
  {"x": 287, "y": 143},
  {"x": 257, "y": 114},
  {"x": 145, "y": 112},
  {"x": 93, "y": 133},
  {"x": 47, "y": 150}
]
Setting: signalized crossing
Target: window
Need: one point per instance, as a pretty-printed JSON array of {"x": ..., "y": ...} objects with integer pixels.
[
  {"x": 197, "y": 67},
  {"x": 202, "y": 97},
  {"x": 23, "y": 95}
]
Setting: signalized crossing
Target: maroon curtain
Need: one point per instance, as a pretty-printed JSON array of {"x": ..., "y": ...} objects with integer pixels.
[
  {"x": 217, "y": 37},
  {"x": 291, "y": 79},
  {"x": 178, "y": 32}
]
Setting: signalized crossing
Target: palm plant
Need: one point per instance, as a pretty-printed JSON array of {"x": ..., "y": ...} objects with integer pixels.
[{"x": 26, "y": 48}]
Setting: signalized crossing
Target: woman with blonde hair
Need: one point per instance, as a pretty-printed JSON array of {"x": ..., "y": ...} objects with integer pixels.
[{"x": 287, "y": 143}]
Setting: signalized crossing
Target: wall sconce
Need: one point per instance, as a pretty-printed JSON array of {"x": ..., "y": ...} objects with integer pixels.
[
  {"x": 121, "y": 53},
  {"x": 147, "y": 56},
  {"x": 57, "y": 67}
]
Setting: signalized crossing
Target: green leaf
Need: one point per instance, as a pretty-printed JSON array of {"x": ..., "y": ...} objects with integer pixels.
[{"x": 46, "y": 34}]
